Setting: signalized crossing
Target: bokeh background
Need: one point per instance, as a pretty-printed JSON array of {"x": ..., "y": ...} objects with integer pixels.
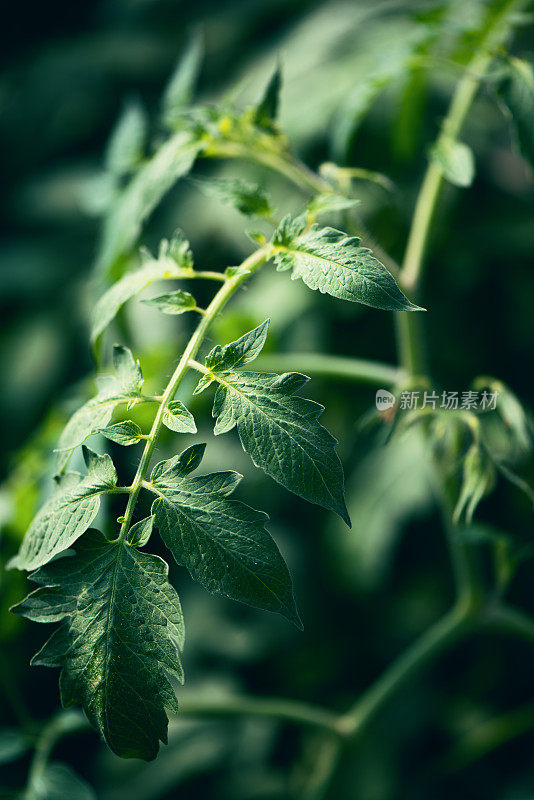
[{"x": 363, "y": 595}]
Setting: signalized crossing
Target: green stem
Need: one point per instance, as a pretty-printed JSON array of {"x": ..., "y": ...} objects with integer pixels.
[
  {"x": 460, "y": 105},
  {"x": 63, "y": 724},
  {"x": 409, "y": 278},
  {"x": 486, "y": 737},
  {"x": 300, "y": 175},
  {"x": 444, "y": 633},
  {"x": 279, "y": 708},
  {"x": 335, "y": 367},
  {"x": 230, "y": 286},
  {"x": 205, "y": 275},
  {"x": 512, "y": 621}
]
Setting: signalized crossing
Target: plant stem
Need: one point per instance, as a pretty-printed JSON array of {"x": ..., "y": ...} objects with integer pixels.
[
  {"x": 279, "y": 708},
  {"x": 64, "y": 723},
  {"x": 460, "y": 105},
  {"x": 511, "y": 620},
  {"x": 335, "y": 367},
  {"x": 445, "y": 632},
  {"x": 230, "y": 286},
  {"x": 462, "y": 99}
]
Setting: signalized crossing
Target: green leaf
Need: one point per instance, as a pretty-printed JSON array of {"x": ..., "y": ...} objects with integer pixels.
[
  {"x": 457, "y": 161},
  {"x": 125, "y": 433},
  {"x": 127, "y": 371},
  {"x": 328, "y": 203},
  {"x": 478, "y": 481},
  {"x": 248, "y": 198},
  {"x": 181, "y": 86},
  {"x": 178, "y": 418},
  {"x": 126, "y": 146},
  {"x": 180, "y": 465},
  {"x": 90, "y": 418},
  {"x": 266, "y": 112},
  {"x": 173, "y": 302},
  {"x": 517, "y": 91},
  {"x": 175, "y": 262},
  {"x": 281, "y": 433},
  {"x": 121, "y": 633},
  {"x": 354, "y": 109},
  {"x": 238, "y": 353},
  {"x": 223, "y": 543},
  {"x": 151, "y": 182},
  {"x": 278, "y": 430},
  {"x": 140, "y": 533},
  {"x": 96, "y": 413},
  {"x": 336, "y": 264},
  {"x": 67, "y": 514}
]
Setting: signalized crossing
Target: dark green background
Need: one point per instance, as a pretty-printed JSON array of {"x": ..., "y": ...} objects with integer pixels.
[{"x": 69, "y": 69}]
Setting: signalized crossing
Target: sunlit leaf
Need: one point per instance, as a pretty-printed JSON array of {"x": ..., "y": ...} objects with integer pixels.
[{"x": 120, "y": 638}]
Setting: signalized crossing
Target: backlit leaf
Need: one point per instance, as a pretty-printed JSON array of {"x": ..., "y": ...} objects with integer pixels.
[
  {"x": 120, "y": 638},
  {"x": 67, "y": 514},
  {"x": 334, "y": 263},
  {"x": 178, "y": 418},
  {"x": 173, "y": 302}
]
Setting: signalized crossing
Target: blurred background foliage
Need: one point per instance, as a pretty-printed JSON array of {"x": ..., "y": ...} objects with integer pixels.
[{"x": 365, "y": 84}]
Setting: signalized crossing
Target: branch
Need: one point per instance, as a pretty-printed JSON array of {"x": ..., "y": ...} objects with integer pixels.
[
  {"x": 512, "y": 621},
  {"x": 335, "y": 367},
  {"x": 275, "y": 707},
  {"x": 444, "y": 633},
  {"x": 229, "y": 287}
]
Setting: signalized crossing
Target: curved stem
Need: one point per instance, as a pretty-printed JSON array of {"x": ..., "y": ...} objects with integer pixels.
[
  {"x": 335, "y": 367},
  {"x": 511, "y": 620},
  {"x": 279, "y": 708},
  {"x": 445, "y": 632},
  {"x": 230, "y": 286},
  {"x": 64, "y": 723}
]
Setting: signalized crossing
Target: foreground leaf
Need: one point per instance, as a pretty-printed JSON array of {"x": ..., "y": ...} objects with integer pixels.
[
  {"x": 223, "y": 543},
  {"x": 67, "y": 514},
  {"x": 122, "y": 630},
  {"x": 279, "y": 431},
  {"x": 125, "y": 433},
  {"x": 336, "y": 264},
  {"x": 282, "y": 435},
  {"x": 96, "y": 413},
  {"x": 178, "y": 418}
]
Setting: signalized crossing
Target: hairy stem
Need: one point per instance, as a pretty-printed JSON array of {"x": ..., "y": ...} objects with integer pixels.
[{"x": 230, "y": 286}]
